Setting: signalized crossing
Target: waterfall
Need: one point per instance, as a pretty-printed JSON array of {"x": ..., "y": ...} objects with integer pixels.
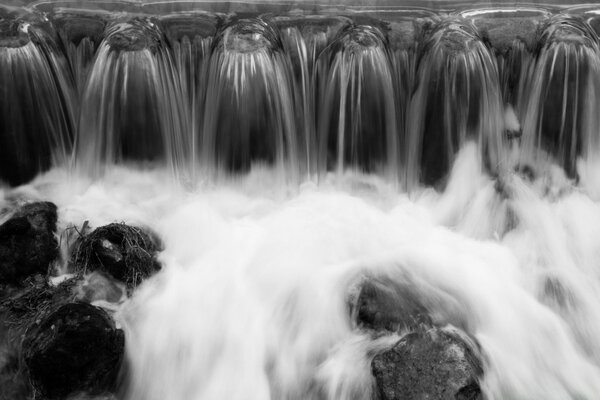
[
  {"x": 249, "y": 77},
  {"x": 131, "y": 104},
  {"x": 356, "y": 117},
  {"x": 35, "y": 115},
  {"x": 561, "y": 117},
  {"x": 289, "y": 155},
  {"x": 457, "y": 99}
]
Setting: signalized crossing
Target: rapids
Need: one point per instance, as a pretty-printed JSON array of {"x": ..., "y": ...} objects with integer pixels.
[
  {"x": 252, "y": 302},
  {"x": 284, "y": 158}
]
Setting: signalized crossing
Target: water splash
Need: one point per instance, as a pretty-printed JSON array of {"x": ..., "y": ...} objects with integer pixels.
[{"x": 252, "y": 299}]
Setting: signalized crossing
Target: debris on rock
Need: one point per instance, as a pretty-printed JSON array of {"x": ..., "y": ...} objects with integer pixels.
[
  {"x": 33, "y": 302},
  {"x": 126, "y": 253}
]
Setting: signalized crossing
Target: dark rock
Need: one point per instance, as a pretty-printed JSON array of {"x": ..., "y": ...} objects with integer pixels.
[
  {"x": 13, "y": 382},
  {"x": 34, "y": 301},
  {"x": 124, "y": 252},
  {"x": 436, "y": 364},
  {"x": 386, "y": 305},
  {"x": 21, "y": 307},
  {"x": 27, "y": 242},
  {"x": 75, "y": 349}
]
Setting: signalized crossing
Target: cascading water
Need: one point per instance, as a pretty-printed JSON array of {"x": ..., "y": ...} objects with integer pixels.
[
  {"x": 357, "y": 114},
  {"x": 457, "y": 99},
  {"x": 249, "y": 77},
  {"x": 289, "y": 156},
  {"x": 131, "y": 105},
  {"x": 35, "y": 116},
  {"x": 561, "y": 116}
]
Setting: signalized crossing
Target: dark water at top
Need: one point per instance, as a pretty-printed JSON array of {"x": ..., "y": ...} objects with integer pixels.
[{"x": 205, "y": 91}]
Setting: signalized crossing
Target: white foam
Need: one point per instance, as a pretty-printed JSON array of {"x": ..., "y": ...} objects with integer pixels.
[{"x": 252, "y": 300}]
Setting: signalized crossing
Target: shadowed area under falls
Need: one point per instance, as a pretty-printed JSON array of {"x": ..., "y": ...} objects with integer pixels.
[{"x": 299, "y": 201}]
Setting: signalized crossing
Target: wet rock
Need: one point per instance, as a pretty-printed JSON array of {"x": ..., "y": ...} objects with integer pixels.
[
  {"x": 20, "y": 307},
  {"x": 124, "y": 252},
  {"x": 35, "y": 300},
  {"x": 436, "y": 364},
  {"x": 75, "y": 349},
  {"x": 13, "y": 382},
  {"x": 27, "y": 242},
  {"x": 390, "y": 306}
]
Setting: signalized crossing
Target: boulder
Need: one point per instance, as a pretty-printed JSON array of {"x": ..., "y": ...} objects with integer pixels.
[
  {"x": 27, "y": 242},
  {"x": 124, "y": 252},
  {"x": 34, "y": 301},
  {"x": 390, "y": 306},
  {"x": 76, "y": 349},
  {"x": 441, "y": 363},
  {"x": 20, "y": 307}
]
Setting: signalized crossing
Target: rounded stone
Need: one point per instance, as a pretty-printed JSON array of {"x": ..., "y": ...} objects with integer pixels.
[
  {"x": 437, "y": 364},
  {"x": 75, "y": 349}
]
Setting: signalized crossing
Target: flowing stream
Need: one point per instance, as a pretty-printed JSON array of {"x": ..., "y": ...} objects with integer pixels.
[{"x": 282, "y": 164}]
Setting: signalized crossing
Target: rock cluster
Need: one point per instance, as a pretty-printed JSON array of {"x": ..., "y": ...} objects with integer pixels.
[{"x": 56, "y": 339}]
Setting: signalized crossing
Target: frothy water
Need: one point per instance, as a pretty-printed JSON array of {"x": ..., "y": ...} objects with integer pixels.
[
  {"x": 284, "y": 160},
  {"x": 252, "y": 302}
]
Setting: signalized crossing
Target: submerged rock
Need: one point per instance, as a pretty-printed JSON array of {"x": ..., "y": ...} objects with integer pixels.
[
  {"x": 390, "y": 306},
  {"x": 441, "y": 363},
  {"x": 27, "y": 242},
  {"x": 75, "y": 349},
  {"x": 124, "y": 252},
  {"x": 97, "y": 287}
]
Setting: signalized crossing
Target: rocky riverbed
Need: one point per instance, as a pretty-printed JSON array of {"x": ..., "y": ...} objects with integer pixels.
[{"x": 58, "y": 338}]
